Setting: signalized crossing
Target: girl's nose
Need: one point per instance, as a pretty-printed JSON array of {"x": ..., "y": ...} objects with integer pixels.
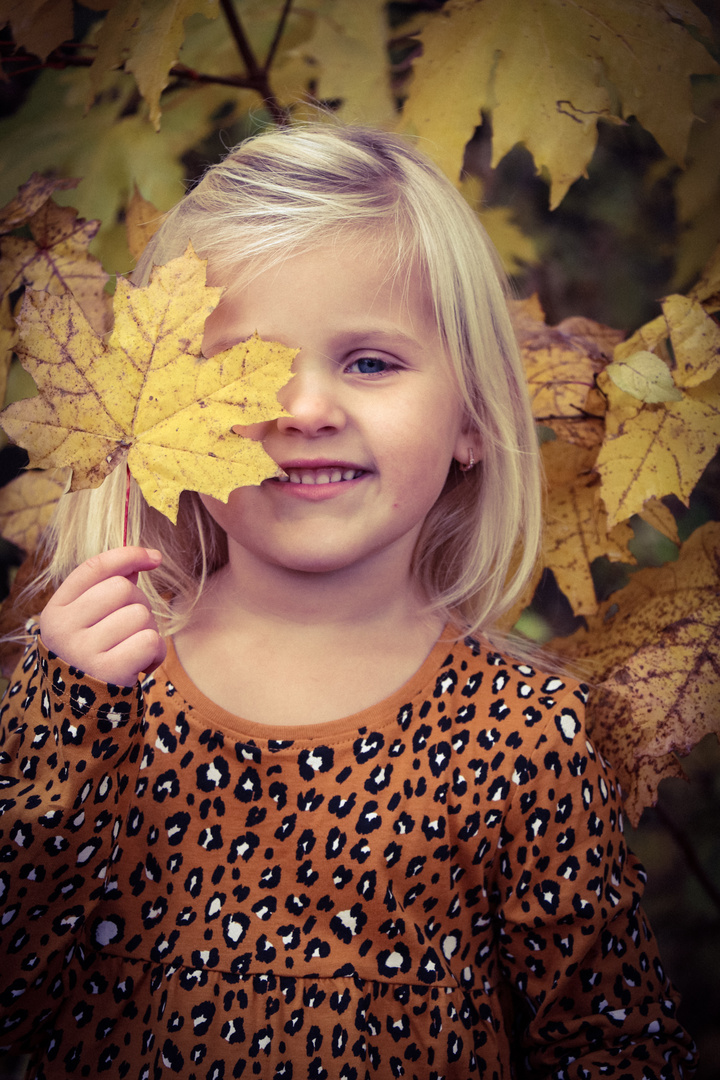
[{"x": 312, "y": 400}]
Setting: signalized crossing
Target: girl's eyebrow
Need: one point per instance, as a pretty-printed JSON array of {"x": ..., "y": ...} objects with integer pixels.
[{"x": 344, "y": 338}]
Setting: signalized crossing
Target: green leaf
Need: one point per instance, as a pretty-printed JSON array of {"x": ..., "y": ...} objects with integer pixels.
[{"x": 646, "y": 377}]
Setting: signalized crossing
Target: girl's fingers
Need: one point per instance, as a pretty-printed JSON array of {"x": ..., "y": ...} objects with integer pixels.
[
  {"x": 122, "y": 665},
  {"x": 124, "y": 562},
  {"x": 98, "y": 603},
  {"x": 117, "y": 626}
]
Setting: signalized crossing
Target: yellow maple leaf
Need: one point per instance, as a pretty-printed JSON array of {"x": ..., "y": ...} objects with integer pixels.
[
  {"x": 653, "y": 651},
  {"x": 655, "y": 450},
  {"x": 151, "y": 32},
  {"x": 146, "y": 395},
  {"x": 27, "y": 504},
  {"x": 561, "y": 363},
  {"x": 541, "y": 67},
  {"x": 575, "y": 525},
  {"x": 55, "y": 258}
]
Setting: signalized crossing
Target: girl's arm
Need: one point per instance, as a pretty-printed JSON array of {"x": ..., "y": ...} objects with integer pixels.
[
  {"x": 101, "y": 622},
  {"x": 70, "y": 747},
  {"x": 574, "y": 942}
]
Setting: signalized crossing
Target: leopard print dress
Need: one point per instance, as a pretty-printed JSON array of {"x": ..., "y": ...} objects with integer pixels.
[{"x": 436, "y": 887}]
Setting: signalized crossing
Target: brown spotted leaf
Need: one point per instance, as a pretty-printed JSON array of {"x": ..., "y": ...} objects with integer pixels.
[
  {"x": 31, "y": 196},
  {"x": 654, "y": 650},
  {"x": 561, "y": 364},
  {"x": 55, "y": 259}
]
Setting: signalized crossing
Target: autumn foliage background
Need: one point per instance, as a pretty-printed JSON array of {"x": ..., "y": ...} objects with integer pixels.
[{"x": 588, "y": 138}]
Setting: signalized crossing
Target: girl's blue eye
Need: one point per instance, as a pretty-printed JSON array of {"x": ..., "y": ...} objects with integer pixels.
[{"x": 371, "y": 365}]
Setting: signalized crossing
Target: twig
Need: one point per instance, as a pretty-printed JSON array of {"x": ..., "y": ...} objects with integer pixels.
[
  {"x": 683, "y": 841},
  {"x": 244, "y": 47},
  {"x": 279, "y": 29},
  {"x": 257, "y": 74}
]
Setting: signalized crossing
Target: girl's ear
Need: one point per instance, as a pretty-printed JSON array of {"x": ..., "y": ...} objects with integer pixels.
[{"x": 468, "y": 450}]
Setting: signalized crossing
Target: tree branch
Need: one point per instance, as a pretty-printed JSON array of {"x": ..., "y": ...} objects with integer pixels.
[
  {"x": 279, "y": 29},
  {"x": 59, "y": 60},
  {"x": 257, "y": 74},
  {"x": 244, "y": 48}
]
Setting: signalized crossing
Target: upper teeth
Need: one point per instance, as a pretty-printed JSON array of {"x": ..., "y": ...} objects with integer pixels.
[{"x": 318, "y": 476}]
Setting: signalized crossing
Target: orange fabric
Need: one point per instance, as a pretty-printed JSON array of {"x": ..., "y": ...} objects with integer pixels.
[{"x": 187, "y": 893}]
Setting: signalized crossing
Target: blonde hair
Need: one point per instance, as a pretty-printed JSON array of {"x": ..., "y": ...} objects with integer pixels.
[{"x": 299, "y": 188}]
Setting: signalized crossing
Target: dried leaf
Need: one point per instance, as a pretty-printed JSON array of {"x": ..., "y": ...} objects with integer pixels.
[
  {"x": 575, "y": 530},
  {"x": 654, "y": 650},
  {"x": 31, "y": 196},
  {"x": 646, "y": 377},
  {"x": 27, "y": 504},
  {"x": 486, "y": 56},
  {"x": 561, "y": 365},
  {"x": 655, "y": 450},
  {"x": 55, "y": 258},
  {"x": 142, "y": 220},
  {"x": 656, "y": 514},
  {"x": 146, "y": 395}
]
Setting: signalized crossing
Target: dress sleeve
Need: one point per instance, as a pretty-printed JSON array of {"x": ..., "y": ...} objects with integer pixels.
[
  {"x": 591, "y": 996},
  {"x": 68, "y": 747}
]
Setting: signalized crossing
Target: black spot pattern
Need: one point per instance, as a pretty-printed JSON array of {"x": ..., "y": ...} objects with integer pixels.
[{"x": 435, "y": 888}]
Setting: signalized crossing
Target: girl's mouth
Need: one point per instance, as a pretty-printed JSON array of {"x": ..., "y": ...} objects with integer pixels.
[{"x": 323, "y": 475}]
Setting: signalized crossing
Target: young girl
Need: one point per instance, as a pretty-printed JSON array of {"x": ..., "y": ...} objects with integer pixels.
[{"x": 332, "y": 832}]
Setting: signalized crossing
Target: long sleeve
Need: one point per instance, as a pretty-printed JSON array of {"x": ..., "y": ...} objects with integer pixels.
[
  {"x": 573, "y": 940},
  {"x": 68, "y": 745}
]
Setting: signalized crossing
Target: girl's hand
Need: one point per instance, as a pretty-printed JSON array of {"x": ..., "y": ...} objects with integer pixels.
[{"x": 101, "y": 622}]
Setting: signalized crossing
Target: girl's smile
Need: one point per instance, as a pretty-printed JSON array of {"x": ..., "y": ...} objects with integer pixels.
[{"x": 374, "y": 415}]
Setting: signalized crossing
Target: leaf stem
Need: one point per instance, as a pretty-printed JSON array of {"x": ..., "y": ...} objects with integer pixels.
[{"x": 127, "y": 504}]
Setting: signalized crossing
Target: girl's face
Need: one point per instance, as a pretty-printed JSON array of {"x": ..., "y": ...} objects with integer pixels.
[{"x": 375, "y": 417}]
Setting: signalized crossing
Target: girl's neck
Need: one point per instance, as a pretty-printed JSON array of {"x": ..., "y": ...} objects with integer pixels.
[
  {"x": 281, "y": 647},
  {"x": 247, "y": 590}
]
